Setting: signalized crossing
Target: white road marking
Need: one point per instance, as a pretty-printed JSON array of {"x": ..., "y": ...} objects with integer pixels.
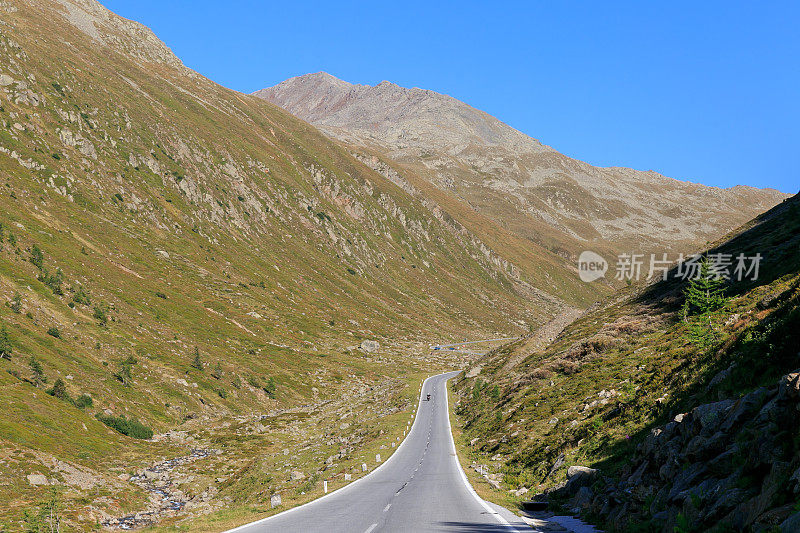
[
  {"x": 467, "y": 484},
  {"x": 387, "y": 507},
  {"x": 370, "y": 528}
]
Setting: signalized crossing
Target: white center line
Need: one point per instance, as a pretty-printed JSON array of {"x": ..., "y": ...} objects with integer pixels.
[
  {"x": 387, "y": 507},
  {"x": 370, "y": 528}
]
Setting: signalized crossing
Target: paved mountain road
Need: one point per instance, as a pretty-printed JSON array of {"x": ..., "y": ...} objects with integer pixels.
[{"x": 420, "y": 488}]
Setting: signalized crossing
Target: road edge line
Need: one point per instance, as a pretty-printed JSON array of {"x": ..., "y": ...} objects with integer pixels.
[
  {"x": 467, "y": 484},
  {"x": 339, "y": 490}
]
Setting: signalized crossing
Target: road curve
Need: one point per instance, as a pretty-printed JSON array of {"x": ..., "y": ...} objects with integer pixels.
[{"x": 420, "y": 488}]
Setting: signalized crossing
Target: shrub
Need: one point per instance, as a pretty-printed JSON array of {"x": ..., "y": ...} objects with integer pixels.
[
  {"x": 161, "y": 295},
  {"x": 101, "y": 314},
  {"x": 129, "y": 427},
  {"x": 59, "y": 390},
  {"x": 12, "y": 239},
  {"x": 5, "y": 343},
  {"x": 196, "y": 361},
  {"x": 217, "y": 371},
  {"x": 270, "y": 388},
  {"x": 53, "y": 332},
  {"x": 53, "y": 281},
  {"x": 83, "y": 401},
  {"x": 124, "y": 373},
  {"x": 46, "y": 516},
  {"x": 36, "y": 256},
  {"x": 16, "y": 303},
  {"x": 81, "y": 296},
  {"x": 38, "y": 372},
  {"x": 222, "y": 393}
]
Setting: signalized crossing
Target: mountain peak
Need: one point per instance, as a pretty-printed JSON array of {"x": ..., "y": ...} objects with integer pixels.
[{"x": 392, "y": 113}]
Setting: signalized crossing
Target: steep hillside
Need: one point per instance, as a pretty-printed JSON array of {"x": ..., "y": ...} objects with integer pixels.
[
  {"x": 687, "y": 419},
  {"x": 519, "y": 198},
  {"x": 206, "y": 264}
]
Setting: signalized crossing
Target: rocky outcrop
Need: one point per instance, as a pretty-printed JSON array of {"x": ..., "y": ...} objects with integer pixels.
[{"x": 731, "y": 463}]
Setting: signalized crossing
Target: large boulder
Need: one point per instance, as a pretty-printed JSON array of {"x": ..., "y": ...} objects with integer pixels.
[
  {"x": 370, "y": 346},
  {"x": 37, "y": 479},
  {"x": 577, "y": 477}
]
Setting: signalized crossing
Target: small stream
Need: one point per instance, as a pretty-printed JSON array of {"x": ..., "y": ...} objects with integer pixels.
[{"x": 169, "y": 501}]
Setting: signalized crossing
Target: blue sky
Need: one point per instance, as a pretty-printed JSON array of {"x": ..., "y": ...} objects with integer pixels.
[{"x": 699, "y": 91}]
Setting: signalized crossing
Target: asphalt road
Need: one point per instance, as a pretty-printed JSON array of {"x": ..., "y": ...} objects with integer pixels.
[{"x": 420, "y": 488}]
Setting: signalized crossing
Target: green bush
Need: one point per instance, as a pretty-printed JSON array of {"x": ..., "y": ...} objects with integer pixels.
[
  {"x": 196, "y": 361},
  {"x": 101, "y": 314},
  {"x": 59, "y": 390},
  {"x": 46, "y": 516},
  {"x": 53, "y": 281},
  {"x": 36, "y": 256},
  {"x": 81, "y": 296},
  {"x": 16, "y": 303},
  {"x": 5, "y": 343},
  {"x": 123, "y": 375},
  {"x": 705, "y": 293},
  {"x": 270, "y": 388},
  {"x": 53, "y": 332},
  {"x": 129, "y": 427},
  {"x": 38, "y": 372},
  {"x": 83, "y": 401}
]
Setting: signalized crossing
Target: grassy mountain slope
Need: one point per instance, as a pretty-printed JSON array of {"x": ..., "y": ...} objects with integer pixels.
[{"x": 687, "y": 421}]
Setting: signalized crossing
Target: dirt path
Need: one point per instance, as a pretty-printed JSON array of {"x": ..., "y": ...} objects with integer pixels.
[{"x": 542, "y": 337}]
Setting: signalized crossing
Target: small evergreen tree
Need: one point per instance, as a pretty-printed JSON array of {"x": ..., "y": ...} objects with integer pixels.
[
  {"x": 83, "y": 401},
  {"x": 59, "y": 390},
  {"x": 101, "y": 314},
  {"x": 16, "y": 303},
  {"x": 217, "y": 372},
  {"x": 5, "y": 343},
  {"x": 197, "y": 362},
  {"x": 81, "y": 296},
  {"x": 270, "y": 388},
  {"x": 37, "y": 257},
  {"x": 38, "y": 372},
  {"x": 124, "y": 373},
  {"x": 704, "y": 293}
]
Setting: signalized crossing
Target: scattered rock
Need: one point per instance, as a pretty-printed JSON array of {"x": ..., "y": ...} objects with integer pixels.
[
  {"x": 370, "y": 346},
  {"x": 37, "y": 479}
]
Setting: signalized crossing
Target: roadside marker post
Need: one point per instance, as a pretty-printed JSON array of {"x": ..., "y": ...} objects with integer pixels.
[
  {"x": 325, "y": 487},
  {"x": 377, "y": 458}
]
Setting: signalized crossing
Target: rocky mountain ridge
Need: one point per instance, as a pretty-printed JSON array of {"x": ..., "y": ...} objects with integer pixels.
[{"x": 526, "y": 188}]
